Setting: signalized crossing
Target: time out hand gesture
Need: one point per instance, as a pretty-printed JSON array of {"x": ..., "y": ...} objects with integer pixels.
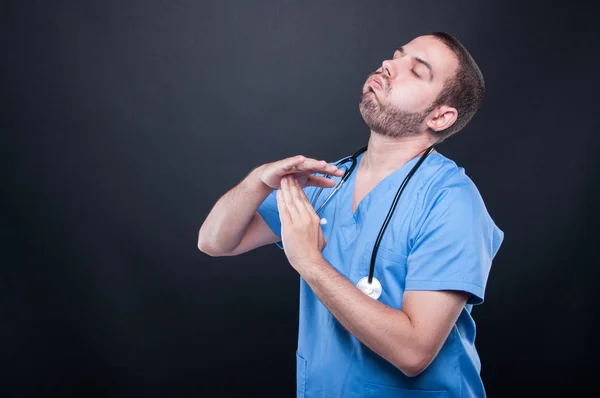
[{"x": 301, "y": 168}]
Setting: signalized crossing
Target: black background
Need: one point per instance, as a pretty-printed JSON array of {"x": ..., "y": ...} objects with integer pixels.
[{"x": 124, "y": 121}]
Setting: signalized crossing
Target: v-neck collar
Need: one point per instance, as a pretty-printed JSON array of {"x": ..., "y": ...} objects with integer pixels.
[{"x": 379, "y": 191}]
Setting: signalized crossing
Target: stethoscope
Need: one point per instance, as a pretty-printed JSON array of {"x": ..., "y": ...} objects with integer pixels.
[{"x": 369, "y": 284}]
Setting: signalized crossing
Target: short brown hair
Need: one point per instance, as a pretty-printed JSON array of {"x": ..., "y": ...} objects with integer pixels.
[{"x": 464, "y": 91}]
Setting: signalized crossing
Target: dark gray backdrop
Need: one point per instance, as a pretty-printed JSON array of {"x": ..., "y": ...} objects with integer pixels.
[{"x": 124, "y": 121}]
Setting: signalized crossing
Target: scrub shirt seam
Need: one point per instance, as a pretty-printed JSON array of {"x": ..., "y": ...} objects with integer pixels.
[
  {"x": 462, "y": 281},
  {"x": 435, "y": 193},
  {"x": 471, "y": 288},
  {"x": 264, "y": 214},
  {"x": 459, "y": 356},
  {"x": 470, "y": 231}
]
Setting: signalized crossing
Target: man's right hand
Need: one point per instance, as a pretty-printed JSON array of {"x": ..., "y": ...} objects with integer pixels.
[{"x": 302, "y": 169}]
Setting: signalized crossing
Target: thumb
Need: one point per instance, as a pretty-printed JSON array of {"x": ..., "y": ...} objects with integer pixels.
[{"x": 323, "y": 240}]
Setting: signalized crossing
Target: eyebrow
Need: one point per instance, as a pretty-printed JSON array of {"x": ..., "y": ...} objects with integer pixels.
[{"x": 420, "y": 60}]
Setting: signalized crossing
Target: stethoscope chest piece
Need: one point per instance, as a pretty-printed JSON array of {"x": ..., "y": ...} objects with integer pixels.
[{"x": 372, "y": 289}]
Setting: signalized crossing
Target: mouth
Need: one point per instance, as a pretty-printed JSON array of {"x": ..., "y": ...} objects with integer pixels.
[{"x": 375, "y": 83}]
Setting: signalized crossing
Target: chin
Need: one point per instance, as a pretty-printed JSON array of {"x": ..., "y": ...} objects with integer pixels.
[{"x": 368, "y": 101}]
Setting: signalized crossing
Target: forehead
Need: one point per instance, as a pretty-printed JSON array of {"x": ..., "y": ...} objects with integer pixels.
[{"x": 442, "y": 59}]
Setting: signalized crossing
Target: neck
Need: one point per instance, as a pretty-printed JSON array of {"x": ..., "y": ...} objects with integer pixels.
[{"x": 386, "y": 154}]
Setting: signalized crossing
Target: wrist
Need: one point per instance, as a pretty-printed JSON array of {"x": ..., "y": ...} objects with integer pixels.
[
  {"x": 309, "y": 265},
  {"x": 256, "y": 184}
]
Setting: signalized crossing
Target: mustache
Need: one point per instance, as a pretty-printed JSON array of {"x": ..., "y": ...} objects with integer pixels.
[{"x": 382, "y": 76}]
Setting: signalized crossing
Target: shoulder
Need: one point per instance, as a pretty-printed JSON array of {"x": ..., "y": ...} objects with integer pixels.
[
  {"x": 444, "y": 180},
  {"x": 447, "y": 192}
]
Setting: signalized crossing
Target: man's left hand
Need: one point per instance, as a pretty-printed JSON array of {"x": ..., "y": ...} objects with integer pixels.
[{"x": 301, "y": 232}]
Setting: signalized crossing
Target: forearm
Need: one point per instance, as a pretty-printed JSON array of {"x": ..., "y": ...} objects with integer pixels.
[
  {"x": 387, "y": 331},
  {"x": 228, "y": 220}
]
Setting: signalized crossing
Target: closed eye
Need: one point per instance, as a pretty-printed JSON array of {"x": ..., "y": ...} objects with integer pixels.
[
  {"x": 415, "y": 73},
  {"x": 400, "y": 50}
]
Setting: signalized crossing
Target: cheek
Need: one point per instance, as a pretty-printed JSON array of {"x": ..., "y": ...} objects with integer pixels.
[{"x": 411, "y": 97}]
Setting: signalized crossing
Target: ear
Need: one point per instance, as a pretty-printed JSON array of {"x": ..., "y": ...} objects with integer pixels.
[{"x": 442, "y": 117}]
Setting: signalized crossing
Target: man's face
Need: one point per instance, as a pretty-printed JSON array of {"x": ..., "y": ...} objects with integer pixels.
[{"x": 410, "y": 82}]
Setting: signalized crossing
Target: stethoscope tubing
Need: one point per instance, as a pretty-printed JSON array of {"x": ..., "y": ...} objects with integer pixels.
[
  {"x": 392, "y": 209},
  {"x": 347, "y": 173},
  {"x": 353, "y": 159}
]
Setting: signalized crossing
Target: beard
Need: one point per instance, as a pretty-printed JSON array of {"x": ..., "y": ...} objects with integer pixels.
[{"x": 387, "y": 120}]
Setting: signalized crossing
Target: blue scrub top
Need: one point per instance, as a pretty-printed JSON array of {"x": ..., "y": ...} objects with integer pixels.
[{"x": 440, "y": 237}]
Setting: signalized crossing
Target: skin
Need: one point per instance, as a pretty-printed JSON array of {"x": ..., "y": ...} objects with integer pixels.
[
  {"x": 411, "y": 99},
  {"x": 403, "y": 118},
  {"x": 409, "y": 338}
]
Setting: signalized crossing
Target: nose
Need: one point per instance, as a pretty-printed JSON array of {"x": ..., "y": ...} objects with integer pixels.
[{"x": 387, "y": 68}]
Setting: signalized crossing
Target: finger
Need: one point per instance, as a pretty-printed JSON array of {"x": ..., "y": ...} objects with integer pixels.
[
  {"x": 284, "y": 215},
  {"x": 291, "y": 163},
  {"x": 323, "y": 238},
  {"x": 321, "y": 182},
  {"x": 319, "y": 166},
  {"x": 297, "y": 191},
  {"x": 289, "y": 200},
  {"x": 296, "y": 195},
  {"x": 302, "y": 200},
  {"x": 303, "y": 205}
]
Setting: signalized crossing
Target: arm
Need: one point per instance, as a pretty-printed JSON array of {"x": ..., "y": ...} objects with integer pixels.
[
  {"x": 409, "y": 339},
  {"x": 234, "y": 226},
  {"x": 412, "y": 337}
]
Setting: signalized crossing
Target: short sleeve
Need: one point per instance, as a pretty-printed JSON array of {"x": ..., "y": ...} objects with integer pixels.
[
  {"x": 269, "y": 212},
  {"x": 455, "y": 243}
]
